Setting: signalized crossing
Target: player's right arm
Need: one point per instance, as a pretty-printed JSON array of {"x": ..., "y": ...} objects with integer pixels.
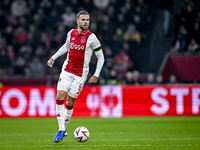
[{"x": 61, "y": 51}]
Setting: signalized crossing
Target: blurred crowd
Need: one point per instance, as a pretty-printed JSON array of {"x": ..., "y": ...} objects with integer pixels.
[
  {"x": 187, "y": 27},
  {"x": 31, "y": 31}
]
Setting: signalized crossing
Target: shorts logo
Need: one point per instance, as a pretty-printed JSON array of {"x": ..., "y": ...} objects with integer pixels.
[
  {"x": 82, "y": 40},
  {"x": 59, "y": 79},
  {"x": 79, "y": 88},
  {"x": 76, "y": 47}
]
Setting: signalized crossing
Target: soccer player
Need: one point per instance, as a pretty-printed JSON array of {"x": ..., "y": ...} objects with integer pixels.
[{"x": 80, "y": 44}]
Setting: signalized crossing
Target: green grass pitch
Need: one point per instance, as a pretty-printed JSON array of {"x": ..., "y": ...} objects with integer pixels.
[{"x": 141, "y": 133}]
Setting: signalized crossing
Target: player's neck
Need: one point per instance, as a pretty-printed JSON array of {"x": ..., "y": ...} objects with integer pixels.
[{"x": 81, "y": 31}]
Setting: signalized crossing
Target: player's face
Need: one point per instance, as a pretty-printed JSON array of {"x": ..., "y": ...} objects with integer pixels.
[{"x": 83, "y": 22}]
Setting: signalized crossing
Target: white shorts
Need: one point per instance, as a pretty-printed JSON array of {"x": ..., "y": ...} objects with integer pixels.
[{"x": 71, "y": 83}]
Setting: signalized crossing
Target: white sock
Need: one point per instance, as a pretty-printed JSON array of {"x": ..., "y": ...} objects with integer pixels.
[
  {"x": 60, "y": 113},
  {"x": 68, "y": 114}
]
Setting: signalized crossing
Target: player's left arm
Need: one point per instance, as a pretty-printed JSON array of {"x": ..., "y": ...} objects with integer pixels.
[{"x": 99, "y": 54}]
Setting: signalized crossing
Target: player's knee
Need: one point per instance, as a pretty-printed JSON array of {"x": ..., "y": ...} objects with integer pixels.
[{"x": 60, "y": 95}]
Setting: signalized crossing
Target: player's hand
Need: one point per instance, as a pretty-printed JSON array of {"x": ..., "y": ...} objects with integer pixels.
[
  {"x": 93, "y": 80},
  {"x": 50, "y": 62}
]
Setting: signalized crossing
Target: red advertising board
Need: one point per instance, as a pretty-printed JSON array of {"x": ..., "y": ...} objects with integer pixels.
[{"x": 103, "y": 101}]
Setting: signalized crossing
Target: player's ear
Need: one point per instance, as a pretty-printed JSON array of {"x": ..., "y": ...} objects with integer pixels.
[{"x": 77, "y": 21}]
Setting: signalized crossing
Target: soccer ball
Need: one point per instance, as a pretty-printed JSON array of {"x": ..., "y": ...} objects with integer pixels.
[{"x": 81, "y": 134}]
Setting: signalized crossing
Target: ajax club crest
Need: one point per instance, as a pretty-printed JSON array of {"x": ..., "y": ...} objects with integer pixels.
[{"x": 82, "y": 40}]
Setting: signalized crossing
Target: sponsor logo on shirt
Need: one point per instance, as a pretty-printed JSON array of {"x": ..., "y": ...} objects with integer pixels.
[{"x": 76, "y": 46}]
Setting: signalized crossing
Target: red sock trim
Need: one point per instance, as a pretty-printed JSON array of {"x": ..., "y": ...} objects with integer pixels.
[
  {"x": 69, "y": 107},
  {"x": 59, "y": 102}
]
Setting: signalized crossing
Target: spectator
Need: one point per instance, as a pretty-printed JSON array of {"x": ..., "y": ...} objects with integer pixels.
[
  {"x": 38, "y": 19},
  {"x": 52, "y": 19},
  {"x": 12, "y": 20},
  {"x": 132, "y": 34},
  {"x": 8, "y": 34},
  {"x": 129, "y": 78},
  {"x": 183, "y": 31},
  {"x": 93, "y": 25},
  {"x": 108, "y": 75},
  {"x": 150, "y": 79},
  {"x": 23, "y": 22},
  {"x": 115, "y": 45},
  {"x": 46, "y": 6},
  {"x": 34, "y": 36},
  {"x": 11, "y": 52},
  {"x": 3, "y": 43},
  {"x": 179, "y": 44},
  {"x": 128, "y": 5},
  {"x": 136, "y": 78},
  {"x": 107, "y": 52},
  {"x": 122, "y": 64},
  {"x": 143, "y": 6},
  {"x": 140, "y": 25},
  {"x": 130, "y": 52},
  {"x": 106, "y": 29},
  {"x": 31, "y": 7},
  {"x": 19, "y": 66},
  {"x": 68, "y": 18},
  {"x": 86, "y": 4},
  {"x": 27, "y": 72},
  {"x": 189, "y": 15},
  {"x": 18, "y": 8},
  {"x": 166, "y": 7},
  {"x": 193, "y": 46},
  {"x": 121, "y": 21},
  {"x": 39, "y": 52},
  {"x": 159, "y": 79},
  {"x": 110, "y": 11},
  {"x": 37, "y": 68},
  {"x": 21, "y": 35},
  {"x": 75, "y": 5},
  {"x": 25, "y": 51},
  {"x": 101, "y": 4},
  {"x": 5, "y": 61},
  {"x": 119, "y": 35},
  {"x": 59, "y": 7},
  {"x": 5, "y": 7},
  {"x": 172, "y": 79}
]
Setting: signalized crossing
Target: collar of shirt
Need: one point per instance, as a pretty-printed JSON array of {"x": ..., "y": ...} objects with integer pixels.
[{"x": 84, "y": 33}]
